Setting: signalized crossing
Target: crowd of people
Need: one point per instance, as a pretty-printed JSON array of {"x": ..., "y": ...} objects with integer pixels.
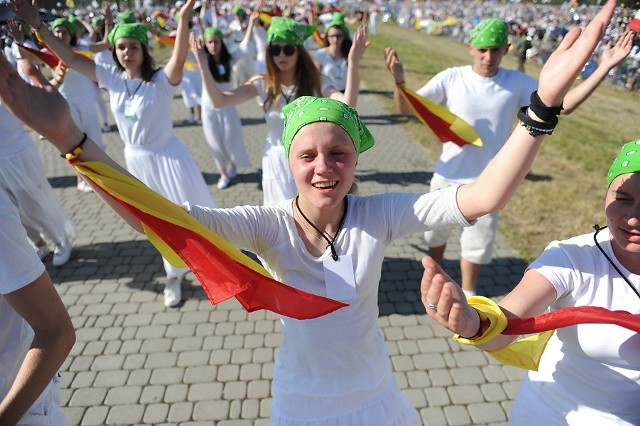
[{"x": 314, "y": 232}]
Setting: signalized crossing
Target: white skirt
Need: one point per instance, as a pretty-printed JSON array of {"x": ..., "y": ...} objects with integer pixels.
[
  {"x": 384, "y": 406},
  {"x": 223, "y": 133},
  {"x": 22, "y": 178}
]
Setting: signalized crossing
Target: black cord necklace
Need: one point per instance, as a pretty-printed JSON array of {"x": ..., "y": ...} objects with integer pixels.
[
  {"x": 291, "y": 94},
  {"x": 330, "y": 241},
  {"x": 595, "y": 239}
]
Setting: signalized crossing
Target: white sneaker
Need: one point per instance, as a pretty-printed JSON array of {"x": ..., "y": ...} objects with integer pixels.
[
  {"x": 43, "y": 251},
  {"x": 173, "y": 292},
  {"x": 223, "y": 182},
  {"x": 61, "y": 253},
  {"x": 233, "y": 172},
  {"x": 83, "y": 186}
]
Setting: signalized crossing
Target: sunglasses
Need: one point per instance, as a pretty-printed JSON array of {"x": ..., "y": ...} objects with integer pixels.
[{"x": 287, "y": 49}]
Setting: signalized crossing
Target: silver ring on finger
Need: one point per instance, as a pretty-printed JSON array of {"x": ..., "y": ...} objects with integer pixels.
[{"x": 432, "y": 306}]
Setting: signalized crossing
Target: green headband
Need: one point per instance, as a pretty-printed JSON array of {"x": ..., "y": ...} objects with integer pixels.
[
  {"x": 61, "y": 22},
  {"x": 213, "y": 31},
  {"x": 338, "y": 21},
  {"x": 309, "y": 109},
  {"x": 127, "y": 17},
  {"x": 288, "y": 31},
  {"x": 136, "y": 31},
  {"x": 628, "y": 161},
  {"x": 490, "y": 32}
]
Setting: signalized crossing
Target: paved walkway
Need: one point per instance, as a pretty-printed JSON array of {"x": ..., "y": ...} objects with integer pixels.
[{"x": 137, "y": 362}]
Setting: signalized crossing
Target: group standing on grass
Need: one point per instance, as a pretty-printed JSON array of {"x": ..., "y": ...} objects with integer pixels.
[{"x": 315, "y": 234}]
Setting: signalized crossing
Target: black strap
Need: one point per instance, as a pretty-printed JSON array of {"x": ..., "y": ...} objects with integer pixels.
[{"x": 330, "y": 241}]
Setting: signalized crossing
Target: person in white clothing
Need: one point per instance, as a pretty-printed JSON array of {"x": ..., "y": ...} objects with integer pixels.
[
  {"x": 36, "y": 334},
  {"x": 580, "y": 363},
  {"x": 332, "y": 60},
  {"x": 140, "y": 98},
  {"x": 488, "y": 97},
  {"x": 222, "y": 127},
  {"x": 335, "y": 369},
  {"x": 290, "y": 73}
]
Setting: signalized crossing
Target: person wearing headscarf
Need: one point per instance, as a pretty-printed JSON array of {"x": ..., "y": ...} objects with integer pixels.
[
  {"x": 583, "y": 362},
  {"x": 290, "y": 74},
  {"x": 332, "y": 60},
  {"x": 78, "y": 89},
  {"x": 487, "y": 97},
  {"x": 222, "y": 127},
  {"x": 330, "y": 242},
  {"x": 141, "y": 97}
]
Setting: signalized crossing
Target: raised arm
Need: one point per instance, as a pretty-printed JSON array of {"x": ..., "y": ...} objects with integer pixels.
[
  {"x": 396, "y": 69},
  {"x": 46, "y": 112},
  {"x": 352, "y": 88},
  {"x": 28, "y": 11},
  {"x": 498, "y": 182},
  {"x": 612, "y": 55},
  {"x": 218, "y": 98},
  {"x": 173, "y": 69}
]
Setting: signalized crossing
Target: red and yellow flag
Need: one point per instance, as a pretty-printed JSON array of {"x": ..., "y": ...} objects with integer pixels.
[
  {"x": 39, "y": 56},
  {"x": 319, "y": 39},
  {"x": 222, "y": 270},
  {"x": 166, "y": 40},
  {"x": 447, "y": 126}
]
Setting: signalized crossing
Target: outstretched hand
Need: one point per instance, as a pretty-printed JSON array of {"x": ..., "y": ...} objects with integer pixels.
[
  {"x": 394, "y": 65},
  {"x": 613, "y": 54},
  {"x": 27, "y": 10},
  {"x": 197, "y": 48},
  {"x": 445, "y": 301},
  {"x": 567, "y": 61},
  {"x": 42, "y": 109},
  {"x": 359, "y": 45}
]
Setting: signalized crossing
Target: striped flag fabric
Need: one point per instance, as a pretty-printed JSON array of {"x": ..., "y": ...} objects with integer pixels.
[
  {"x": 222, "y": 270},
  {"x": 447, "y": 126}
]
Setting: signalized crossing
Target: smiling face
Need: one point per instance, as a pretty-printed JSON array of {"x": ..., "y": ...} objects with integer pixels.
[
  {"x": 486, "y": 60},
  {"x": 622, "y": 208},
  {"x": 129, "y": 54},
  {"x": 323, "y": 161}
]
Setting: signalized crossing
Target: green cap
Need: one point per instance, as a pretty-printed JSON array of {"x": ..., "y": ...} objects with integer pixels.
[
  {"x": 627, "y": 161},
  {"x": 136, "y": 31},
  {"x": 288, "y": 31},
  {"x": 239, "y": 10},
  {"x": 213, "y": 31},
  {"x": 310, "y": 109},
  {"x": 338, "y": 21},
  {"x": 62, "y": 22},
  {"x": 490, "y": 32}
]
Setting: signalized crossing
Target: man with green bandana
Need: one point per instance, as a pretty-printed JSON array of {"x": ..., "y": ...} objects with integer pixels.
[{"x": 487, "y": 97}]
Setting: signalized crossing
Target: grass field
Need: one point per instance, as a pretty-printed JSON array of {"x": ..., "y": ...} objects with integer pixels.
[{"x": 564, "y": 191}]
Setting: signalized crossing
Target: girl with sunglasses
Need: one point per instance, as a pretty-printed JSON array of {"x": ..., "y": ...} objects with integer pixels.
[
  {"x": 290, "y": 74},
  {"x": 141, "y": 97},
  {"x": 332, "y": 60},
  {"x": 335, "y": 369}
]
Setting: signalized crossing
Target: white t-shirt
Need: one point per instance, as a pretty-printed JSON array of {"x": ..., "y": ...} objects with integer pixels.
[
  {"x": 334, "y": 69},
  {"x": 589, "y": 374},
  {"x": 342, "y": 352},
  {"x": 19, "y": 266},
  {"x": 488, "y": 104}
]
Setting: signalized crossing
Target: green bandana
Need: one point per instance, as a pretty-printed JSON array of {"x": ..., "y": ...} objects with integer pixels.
[
  {"x": 288, "y": 31},
  {"x": 490, "y": 32},
  {"x": 61, "y": 22},
  {"x": 309, "y": 109},
  {"x": 338, "y": 21},
  {"x": 628, "y": 161},
  {"x": 238, "y": 10},
  {"x": 127, "y": 17},
  {"x": 136, "y": 31},
  {"x": 97, "y": 21},
  {"x": 213, "y": 31}
]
